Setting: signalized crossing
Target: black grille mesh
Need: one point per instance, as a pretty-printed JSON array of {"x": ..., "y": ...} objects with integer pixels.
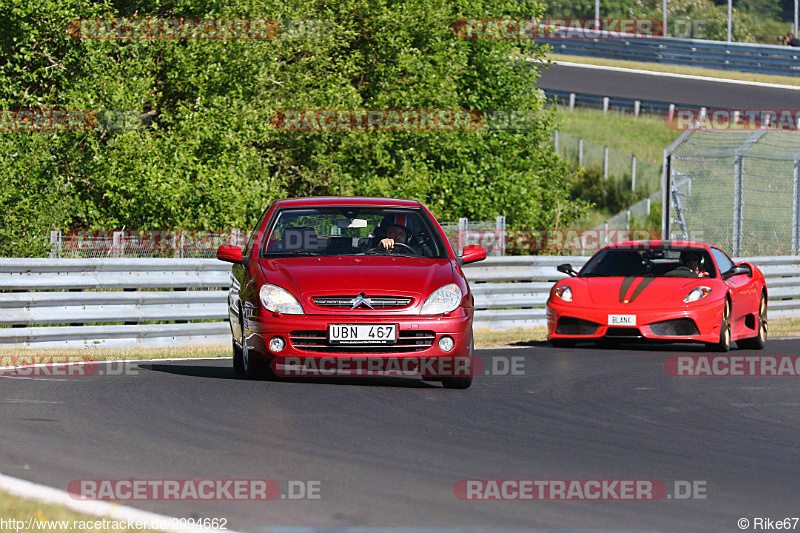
[
  {"x": 576, "y": 326},
  {"x": 317, "y": 341},
  {"x": 679, "y": 327}
]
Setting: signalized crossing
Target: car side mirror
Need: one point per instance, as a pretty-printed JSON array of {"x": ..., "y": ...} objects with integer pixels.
[
  {"x": 738, "y": 270},
  {"x": 230, "y": 254},
  {"x": 472, "y": 254},
  {"x": 567, "y": 269}
]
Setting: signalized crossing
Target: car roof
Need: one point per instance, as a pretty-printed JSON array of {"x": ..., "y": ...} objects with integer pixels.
[
  {"x": 320, "y": 201},
  {"x": 645, "y": 245}
]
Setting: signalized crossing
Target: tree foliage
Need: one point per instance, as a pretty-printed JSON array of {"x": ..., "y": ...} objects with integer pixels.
[{"x": 204, "y": 153}]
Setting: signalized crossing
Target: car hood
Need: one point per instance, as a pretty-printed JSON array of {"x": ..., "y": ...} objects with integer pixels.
[
  {"x": 637, "y": 292},
  {"x": 306, "y": 277}
]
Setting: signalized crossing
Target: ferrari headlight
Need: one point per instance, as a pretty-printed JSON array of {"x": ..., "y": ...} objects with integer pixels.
[
  {"x": 279, "y": 300},
  {"x": 696, "y": 294},
  {"x": 564, "y": 292},
  {"x": 442, "y": 300}
]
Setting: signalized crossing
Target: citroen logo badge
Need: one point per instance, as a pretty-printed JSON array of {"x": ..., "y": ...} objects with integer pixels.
[{"x": 361, "y": 299}]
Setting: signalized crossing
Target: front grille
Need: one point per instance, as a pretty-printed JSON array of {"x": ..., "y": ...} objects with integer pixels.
[
  {"x": 679, "y": 327},
  {"x": 378, "y": 302},
  {"x": 624, "y": 332},
  {"x": 317, "y": 341},
  {"x": 576, "y": 326}
]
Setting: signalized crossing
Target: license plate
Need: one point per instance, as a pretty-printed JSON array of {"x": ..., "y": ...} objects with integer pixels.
[
  {"x": 621, "y": 320},
  {"x": 362, "y": 333}
]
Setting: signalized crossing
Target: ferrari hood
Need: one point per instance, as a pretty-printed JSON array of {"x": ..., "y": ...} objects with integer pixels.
[{"x": 634, "y": 292}]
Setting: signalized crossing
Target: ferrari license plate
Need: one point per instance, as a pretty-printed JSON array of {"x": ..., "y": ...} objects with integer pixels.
[
  {"x": 621, "y": 320},
  {"x": 362, "y": 333}
]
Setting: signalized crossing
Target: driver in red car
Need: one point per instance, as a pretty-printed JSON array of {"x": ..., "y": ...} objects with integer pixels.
[
  {"x": 394, "y": 233},
  {"x": 694, "y": 262}
]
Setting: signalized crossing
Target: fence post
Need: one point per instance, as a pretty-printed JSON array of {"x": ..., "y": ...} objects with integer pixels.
[
  {"x": 796, "y": 205},
  {"x": 500, "y": 239},
  {"x": 580, "y": 151},
  {"x": 182, "y": 244},
  {"x": 463, "y": 225},
  {"x": 605, "y": 162},
  {"x": 555, "y": 141},
  {"x": 117, "y": 244},
  {"x": 633, "y": 173},
  {"x": 628, "y": 219},
  {"x": 572, "y": 101},
  {"x": 738, "y": 190},
  {"x": 648, "y": 207},
  {"x": 55, "y": 243}
]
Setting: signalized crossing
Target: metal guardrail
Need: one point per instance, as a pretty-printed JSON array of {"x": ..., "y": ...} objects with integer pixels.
[
  {"x": 77, "y": 303},
  {"x": 742, "y": 57}
]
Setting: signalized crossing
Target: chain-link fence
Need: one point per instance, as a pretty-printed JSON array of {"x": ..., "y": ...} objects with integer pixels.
[
  {"x": 643, "y": 177},
  {"x": 737, "y": 189},
  {"x": 143, "y": 243},
  {"x": 638, "y": 213}
]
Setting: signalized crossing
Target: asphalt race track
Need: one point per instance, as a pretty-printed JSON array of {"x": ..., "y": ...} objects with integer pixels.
[
  {"x": 711, "y": 94},
  {"x": 388, "y": 451}
]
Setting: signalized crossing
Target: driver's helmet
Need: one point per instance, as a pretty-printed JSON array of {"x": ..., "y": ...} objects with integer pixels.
[
  {"x": 693, "y": 254},
  {"x": 398, "y": 219}
]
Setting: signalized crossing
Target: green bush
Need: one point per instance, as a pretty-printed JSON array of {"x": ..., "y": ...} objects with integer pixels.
[{"x": 204, "y": 153}]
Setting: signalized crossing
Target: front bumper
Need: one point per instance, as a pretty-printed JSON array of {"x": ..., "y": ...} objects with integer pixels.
[
  {"x": 305, "y": 336},
  {"x": 669, "y": 325}
]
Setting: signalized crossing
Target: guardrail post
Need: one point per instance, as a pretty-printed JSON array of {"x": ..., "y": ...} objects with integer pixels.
[
  {"x": 500, "y": 235},
  {"x": 636, "y": 106},
  {"x": 555, "y": 141},
  {"x": 605, "y": 162},
  {"x": 463, "y": 225},
  {"x": 572, "y": 101},
  {"x": 55, "y": 243},
  {"x": 117, "y": 244},
  {"x": 633, "y": 172},
  {"x": 605, "y": 104},
  {"x": 580, "y": 151}
]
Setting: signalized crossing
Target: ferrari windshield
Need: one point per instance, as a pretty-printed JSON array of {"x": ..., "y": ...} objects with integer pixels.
[
  {"x": 343, "y": 230},
  {"x": 658, "y": 262}
]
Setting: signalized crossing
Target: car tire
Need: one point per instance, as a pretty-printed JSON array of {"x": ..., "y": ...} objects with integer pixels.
[
  {"x": 724, "y": 343},
  {"x": 461, "y": 382},
  {"x": 562, "y": 343},
  {"x": 238, "y": 359},
  {"x": 759, "y": 341},
  {"x": 254, "y": 368}
]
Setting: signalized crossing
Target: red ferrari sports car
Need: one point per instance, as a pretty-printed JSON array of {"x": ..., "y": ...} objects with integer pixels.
[
  {"x": 665, "y": 291},
  {"x": 348, "y": 284}
]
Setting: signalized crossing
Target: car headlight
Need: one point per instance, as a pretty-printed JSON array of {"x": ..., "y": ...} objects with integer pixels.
[
  {"x": 279, "y": 300},
  {"x": 697, "y": 293},
  {"x": 442, "y": 300},
  {"x": 563, "y": 292}
]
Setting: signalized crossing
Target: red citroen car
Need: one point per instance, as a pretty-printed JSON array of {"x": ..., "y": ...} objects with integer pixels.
[
  {"x": 337, "y": 283},
  {"x": 665, "y": 291}
]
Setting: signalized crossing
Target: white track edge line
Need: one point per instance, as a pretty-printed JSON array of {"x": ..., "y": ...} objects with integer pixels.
[
  {"x": 669, "y": 74},
  {"x": 114, "y": 511}
]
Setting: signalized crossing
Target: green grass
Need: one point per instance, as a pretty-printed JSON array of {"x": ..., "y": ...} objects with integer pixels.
[
  {"x": 17, "y": 508},
  {"x": 679, "y": 69},
  {"x": 646, "y": 136}
]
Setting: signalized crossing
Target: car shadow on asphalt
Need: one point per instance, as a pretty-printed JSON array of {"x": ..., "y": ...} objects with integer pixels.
[{"x": 226, "y": 372}]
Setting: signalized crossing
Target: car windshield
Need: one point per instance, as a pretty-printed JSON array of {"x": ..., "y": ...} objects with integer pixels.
[
  {"x": 341, "y": 231},
  {"x": 657, "y": 262}
]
